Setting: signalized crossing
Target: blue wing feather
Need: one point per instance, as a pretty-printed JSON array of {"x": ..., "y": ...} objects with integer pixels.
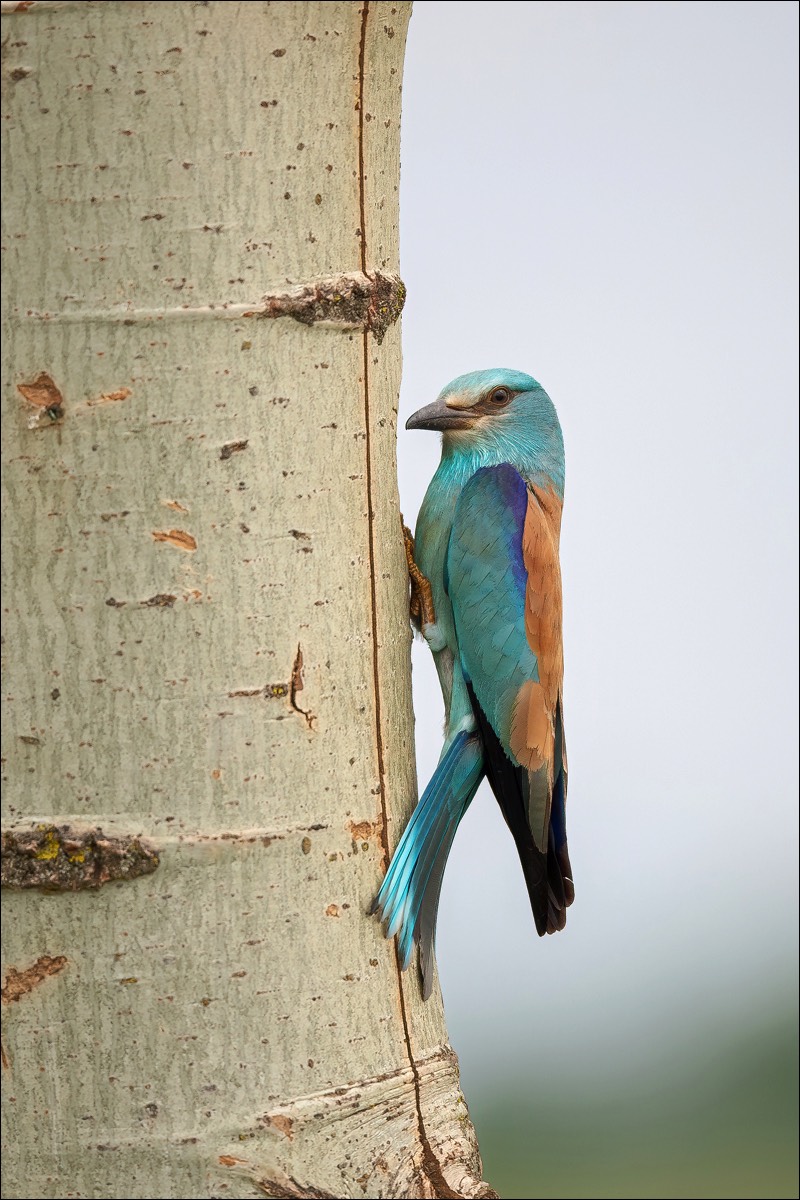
[{"x": 487, "y": 582}]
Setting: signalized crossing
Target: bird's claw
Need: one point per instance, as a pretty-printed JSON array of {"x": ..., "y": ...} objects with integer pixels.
[{"x": 421, "y": 605}]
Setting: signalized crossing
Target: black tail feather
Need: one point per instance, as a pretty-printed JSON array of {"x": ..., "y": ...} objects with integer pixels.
[{"x": 547, "y": 873}]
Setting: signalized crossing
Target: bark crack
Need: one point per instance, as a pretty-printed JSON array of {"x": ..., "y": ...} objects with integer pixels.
[
  {"x": 296, "y": 685},
  {"x": 362, "y": 197},
  {"x": 272, "y": 1149},
  {"x": 277, "y": 691},
  {"x": 430, "y": 1163}
]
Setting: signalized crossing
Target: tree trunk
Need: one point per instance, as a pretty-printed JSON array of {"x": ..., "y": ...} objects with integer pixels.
[{"x": 208, "y": 732}]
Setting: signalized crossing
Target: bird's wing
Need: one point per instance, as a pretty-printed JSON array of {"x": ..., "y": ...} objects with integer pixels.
[{"x": 504, "y": 582}]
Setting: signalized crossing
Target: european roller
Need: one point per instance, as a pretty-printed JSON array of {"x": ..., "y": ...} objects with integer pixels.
[{"x": 486, "y": 594}]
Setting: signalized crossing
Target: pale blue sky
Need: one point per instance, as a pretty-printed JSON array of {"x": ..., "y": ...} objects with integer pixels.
[{"x": 604, "y": 195}]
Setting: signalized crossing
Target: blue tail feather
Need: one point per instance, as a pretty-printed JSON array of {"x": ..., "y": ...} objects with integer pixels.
[
  {"x": 429, "y": 811},
  {"x": 409, "y": 896}
]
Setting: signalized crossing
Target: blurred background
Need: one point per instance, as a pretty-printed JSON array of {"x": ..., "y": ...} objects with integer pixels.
[{"x": 604, "y": 195}]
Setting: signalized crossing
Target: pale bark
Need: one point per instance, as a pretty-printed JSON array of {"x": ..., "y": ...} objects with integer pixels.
[{"x": 207, "y": 721}]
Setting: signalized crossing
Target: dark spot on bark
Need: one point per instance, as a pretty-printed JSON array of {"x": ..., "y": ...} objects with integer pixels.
[
  {"x": 232, "y": 448},
  {"x": 19, "y": 983},
  {"x": 176, "y": 537},
  {"x": 44, "y": 395}
]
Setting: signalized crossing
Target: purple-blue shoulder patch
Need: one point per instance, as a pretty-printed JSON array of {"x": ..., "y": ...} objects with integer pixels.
[{"x": 514, "y": 493}]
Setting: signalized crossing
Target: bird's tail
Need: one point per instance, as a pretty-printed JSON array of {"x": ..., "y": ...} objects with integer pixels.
[{"x": 409, "y": 896}]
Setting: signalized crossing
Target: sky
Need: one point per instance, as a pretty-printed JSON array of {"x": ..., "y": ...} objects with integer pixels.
[{"x": 604, "y": 195}]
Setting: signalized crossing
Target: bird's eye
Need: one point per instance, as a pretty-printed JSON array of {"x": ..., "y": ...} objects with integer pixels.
[{"x": 499, "y": 397}]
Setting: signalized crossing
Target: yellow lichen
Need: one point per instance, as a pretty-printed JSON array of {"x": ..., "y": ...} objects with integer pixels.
[{"x": 50, "y": 846}]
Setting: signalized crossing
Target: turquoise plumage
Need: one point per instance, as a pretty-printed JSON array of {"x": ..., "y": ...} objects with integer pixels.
[{"x": 486, "y": 584}]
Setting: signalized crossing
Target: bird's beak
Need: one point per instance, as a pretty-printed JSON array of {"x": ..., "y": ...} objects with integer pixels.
[{"x": 439, "y": 416}]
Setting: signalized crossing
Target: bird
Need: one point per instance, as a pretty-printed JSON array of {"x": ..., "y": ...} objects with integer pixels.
[{"x": 485, "y": 583}]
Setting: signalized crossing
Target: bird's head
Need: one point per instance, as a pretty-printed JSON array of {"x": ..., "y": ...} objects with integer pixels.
[{"x": 498, "y": 416}]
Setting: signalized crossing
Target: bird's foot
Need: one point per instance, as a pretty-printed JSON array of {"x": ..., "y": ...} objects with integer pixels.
[
  {"x": 434, "y": 636},
  {"x": 421, "y": 603}
]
